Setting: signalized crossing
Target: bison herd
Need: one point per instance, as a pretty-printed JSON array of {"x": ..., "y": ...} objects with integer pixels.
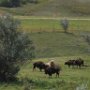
[
  {"x": 52, "y": 68},
  {"x": 78, "y": 62}
]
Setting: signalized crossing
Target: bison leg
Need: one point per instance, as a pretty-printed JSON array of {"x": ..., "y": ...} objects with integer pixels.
[
  {"x": 50, "y": 75},
  {"x": 57, "y": 74},
  {"x": 34, "y": 67},
  {"x": 69, "y": 66},
  {"x": 79, "y": 66},
  {"x": 40, "y": 69}
]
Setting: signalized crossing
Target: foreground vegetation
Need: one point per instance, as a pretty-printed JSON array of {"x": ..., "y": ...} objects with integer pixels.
[{"x": 15, "y": 47}]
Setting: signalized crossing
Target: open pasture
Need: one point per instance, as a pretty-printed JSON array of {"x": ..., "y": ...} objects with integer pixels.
[
  {"x": 50, "y": 25},
  {"x": 50, "y": 41}
]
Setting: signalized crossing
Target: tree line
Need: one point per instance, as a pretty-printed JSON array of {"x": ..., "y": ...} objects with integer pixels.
[{"x": 15, "y": 3}]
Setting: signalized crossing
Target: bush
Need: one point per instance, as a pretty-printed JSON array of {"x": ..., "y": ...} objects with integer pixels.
[
  {"x": 65, "y": 25},
  {"x": 15, "y": 3},
  {"x": 15, "y": 47},
  {"x": 10, "y": 3}
]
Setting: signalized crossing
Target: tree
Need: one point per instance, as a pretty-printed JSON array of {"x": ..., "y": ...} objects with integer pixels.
[
  {"x": 65, "y": 24},
  {"x": 15, "y": 47}
]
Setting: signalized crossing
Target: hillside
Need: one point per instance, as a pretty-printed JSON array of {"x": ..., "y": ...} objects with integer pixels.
[
  {"x": 52, "y": 8},
  {"x": 59, "y": 44},
  {"x": 50, "y": 41}
]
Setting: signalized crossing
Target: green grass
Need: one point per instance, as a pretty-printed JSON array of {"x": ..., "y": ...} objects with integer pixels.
[
  {"x": 70, "y": 78},
  {"x": 52, "y": 8},
  {"x": 59, "y": 44},
  {"x": 50, "y": 41},
  {"x": 49, "y": 25}
]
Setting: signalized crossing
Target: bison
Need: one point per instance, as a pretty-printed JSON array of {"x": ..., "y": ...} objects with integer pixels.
[
  {"x": 50, "y": 63},
  {"x": 78, "y": 62},
  {"x": 39, "y": 64},
  {"x": 70, "y": 63},
  {"x": 52, "y": 69}
]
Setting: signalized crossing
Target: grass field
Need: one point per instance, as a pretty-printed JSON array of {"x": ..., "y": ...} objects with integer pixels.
[
  {"x": 53, "y": 8},
  {"x": 59, "y": 44},
  {"x": 70, "y": 78},
  {"x": 50, "y": 41},
  {"x": 49, "y": 25}
]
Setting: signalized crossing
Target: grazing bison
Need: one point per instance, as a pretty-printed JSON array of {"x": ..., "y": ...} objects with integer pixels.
[
  {"x": 70, "y": 63},
  {"x": 79, "y": 62},
  {"x": 52, "y": 69},
  {"x": 39, "y": 64}
]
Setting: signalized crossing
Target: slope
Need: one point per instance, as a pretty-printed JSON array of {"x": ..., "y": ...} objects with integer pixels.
[{"x": 55, "y": 8}]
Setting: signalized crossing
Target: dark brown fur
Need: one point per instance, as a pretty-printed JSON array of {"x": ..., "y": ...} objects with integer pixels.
[
  {"x": 79, "y": 62},
  {"x": 39, "y": 64},
  {"x": 53, "y": 70}
]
